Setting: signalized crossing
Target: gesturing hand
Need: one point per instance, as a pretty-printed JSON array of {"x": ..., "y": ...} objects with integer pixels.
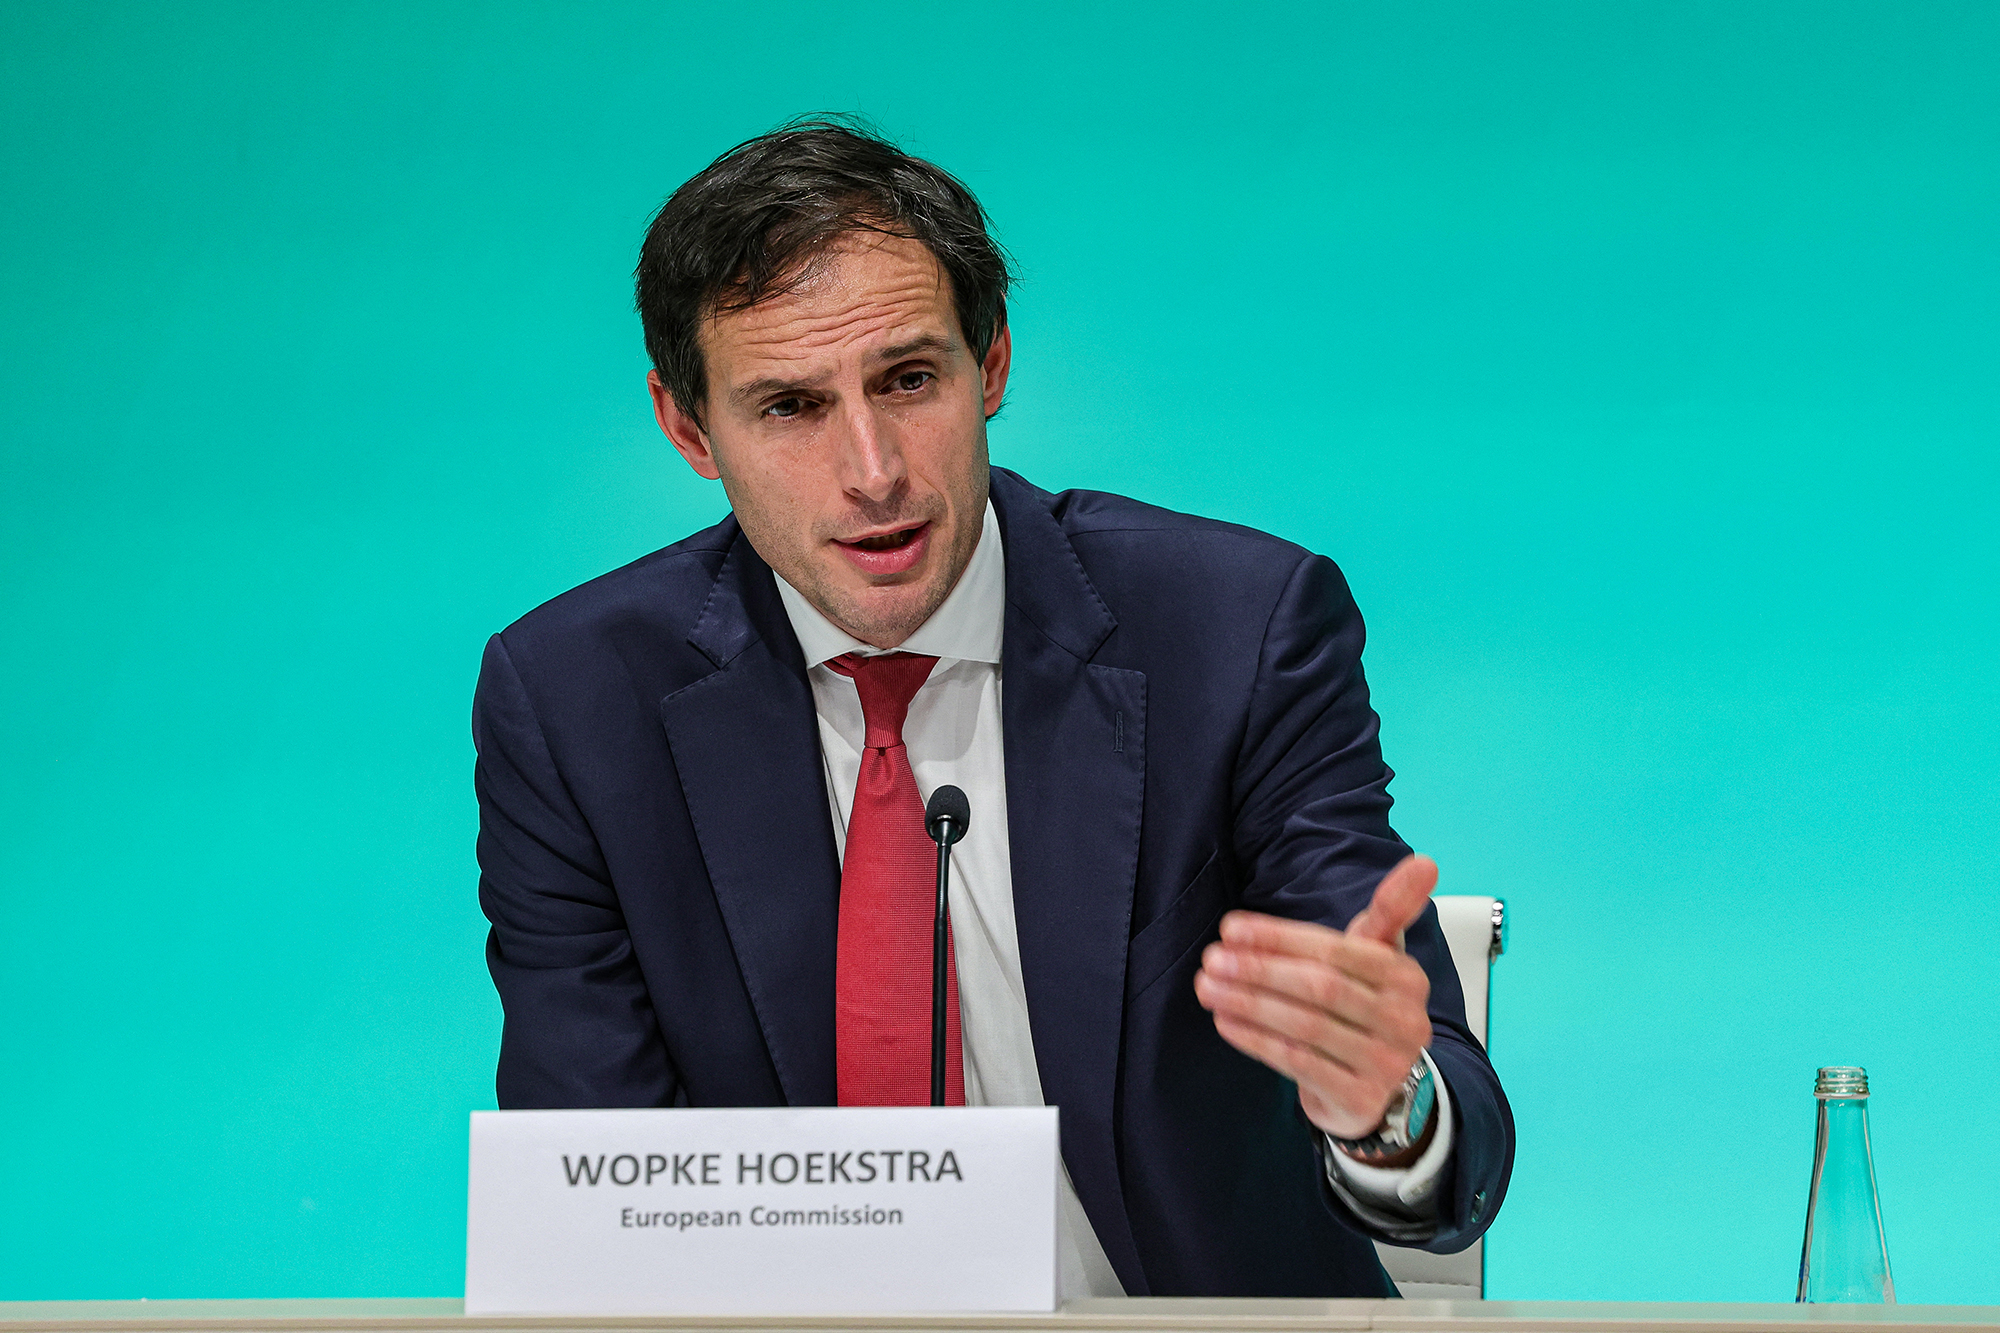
[{"x": 1340, "y": 1013}]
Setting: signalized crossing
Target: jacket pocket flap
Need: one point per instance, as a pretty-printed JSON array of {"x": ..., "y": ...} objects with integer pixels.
[{"x": 1186, "y": 923}]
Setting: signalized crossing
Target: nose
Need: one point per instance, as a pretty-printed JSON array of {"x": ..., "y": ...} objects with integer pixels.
[{"x": 871, "y": 454}]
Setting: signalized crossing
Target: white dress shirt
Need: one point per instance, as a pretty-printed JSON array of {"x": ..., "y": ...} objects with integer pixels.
[{"x": 953, "y": 736}]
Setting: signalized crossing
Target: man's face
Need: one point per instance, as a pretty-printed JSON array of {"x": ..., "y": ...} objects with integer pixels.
[{"x": 847, "y": 423}]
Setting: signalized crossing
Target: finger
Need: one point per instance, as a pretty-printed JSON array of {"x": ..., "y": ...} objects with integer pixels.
[
  {"x": 1367, "y": 962},
  {"x": 1340, "y": 1041},
  {"x": 1399, "y": 900},
  {"x": 1391, "y": 1003},
  {"x": 1383, "y": 1052},
  {"x": 1370, "y": 1052},
  {"x": 1329, "y": 1084},
  {"x": 1301, "y": 1063},
  {"x": 1254, "y": 932},
  {"x": 1277, "y": 934}
]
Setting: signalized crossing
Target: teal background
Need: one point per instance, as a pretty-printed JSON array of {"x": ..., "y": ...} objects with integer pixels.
[{"x": 1636, "y": 360}]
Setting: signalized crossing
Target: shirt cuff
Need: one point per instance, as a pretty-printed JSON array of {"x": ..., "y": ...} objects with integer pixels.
[{"x": 1399, "y": 1201}]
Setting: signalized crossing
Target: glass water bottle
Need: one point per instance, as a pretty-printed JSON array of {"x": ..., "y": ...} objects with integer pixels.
[{"x": 1846, "y": 1257}]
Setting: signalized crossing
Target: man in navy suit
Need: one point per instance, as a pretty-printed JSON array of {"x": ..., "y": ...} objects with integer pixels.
[{"x": 1181, "y": 917}]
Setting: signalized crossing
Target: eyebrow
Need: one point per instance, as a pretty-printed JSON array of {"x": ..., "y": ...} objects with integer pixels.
[
  {"x": 928, "y": 342},
  {"x": 758, "y": 388}
]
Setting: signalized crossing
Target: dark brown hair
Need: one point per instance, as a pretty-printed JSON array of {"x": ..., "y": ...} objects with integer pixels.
[{"x": 750, "y": 224}]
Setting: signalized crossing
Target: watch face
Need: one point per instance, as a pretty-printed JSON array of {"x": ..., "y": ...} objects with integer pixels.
[
  {"x": 1423, "y": 1100},
  {"x": 1403, "y": 1123}
]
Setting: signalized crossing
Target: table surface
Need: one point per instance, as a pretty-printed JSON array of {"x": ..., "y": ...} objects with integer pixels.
[{"x": 1167, "y": 1315}]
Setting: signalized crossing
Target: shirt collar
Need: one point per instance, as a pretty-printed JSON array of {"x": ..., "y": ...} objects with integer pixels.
[{"x": 967, "y": 627}]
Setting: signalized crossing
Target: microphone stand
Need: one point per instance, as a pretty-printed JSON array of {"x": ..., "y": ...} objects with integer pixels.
[
  {"x": 946, "y": 817},
  {"x": 941, "y": 927}
]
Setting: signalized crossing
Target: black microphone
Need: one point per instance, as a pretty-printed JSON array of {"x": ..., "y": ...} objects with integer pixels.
[{"x": 945, "y": 819}]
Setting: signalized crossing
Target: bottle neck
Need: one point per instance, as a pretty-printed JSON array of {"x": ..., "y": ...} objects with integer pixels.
[{"x": 1844, "y": 1156}]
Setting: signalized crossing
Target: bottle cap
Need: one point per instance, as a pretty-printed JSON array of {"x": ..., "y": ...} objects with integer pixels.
[{"x": 1842, "y": 1083}]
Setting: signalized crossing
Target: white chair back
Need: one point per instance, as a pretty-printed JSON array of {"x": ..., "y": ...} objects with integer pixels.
[{"x": 1475, "y": 928}]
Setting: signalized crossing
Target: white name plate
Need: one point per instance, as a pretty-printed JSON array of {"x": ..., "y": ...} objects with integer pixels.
[{"x": 800, "y": 1209}]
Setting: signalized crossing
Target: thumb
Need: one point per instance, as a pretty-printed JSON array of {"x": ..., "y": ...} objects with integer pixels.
[{"x": 1399, "y": 900}]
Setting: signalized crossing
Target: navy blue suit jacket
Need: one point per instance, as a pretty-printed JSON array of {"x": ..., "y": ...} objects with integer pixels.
[{"x": 1187, "y": 730}]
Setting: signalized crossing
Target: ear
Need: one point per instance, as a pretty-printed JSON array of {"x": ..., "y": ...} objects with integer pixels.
[
  {"x": 993, "y": 370},
  {"x": 688, "y": 436}
]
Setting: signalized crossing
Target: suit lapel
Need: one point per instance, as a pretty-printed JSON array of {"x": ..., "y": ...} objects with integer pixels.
[
  {"x": 1076, "y": 748},
  {"x": 746, "y": 745}
]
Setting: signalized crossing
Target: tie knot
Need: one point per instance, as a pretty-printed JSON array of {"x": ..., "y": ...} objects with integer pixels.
[{"x": 886, "y": 684}]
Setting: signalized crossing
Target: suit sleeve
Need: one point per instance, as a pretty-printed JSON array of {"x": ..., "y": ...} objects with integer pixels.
[
  {"x": 579, "y": 1029},
  {"x": 1313, "y": 838}
]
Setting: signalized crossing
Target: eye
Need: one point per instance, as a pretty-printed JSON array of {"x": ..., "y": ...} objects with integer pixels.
[
  {"x": 786, "y": 407},
  {"x": 911, "y": 380}
]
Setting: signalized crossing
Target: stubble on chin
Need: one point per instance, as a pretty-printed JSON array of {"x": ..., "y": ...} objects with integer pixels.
[{"x": 884, "y": 616}]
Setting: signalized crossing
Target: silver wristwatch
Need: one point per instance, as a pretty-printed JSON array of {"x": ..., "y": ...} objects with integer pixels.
[{"x": 1402, "y": 1124}]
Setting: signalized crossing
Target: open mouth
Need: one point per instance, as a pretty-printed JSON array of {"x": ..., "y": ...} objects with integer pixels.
[
  {"x": 888, "y": 555},
  {"x": 886, "y": 541}
]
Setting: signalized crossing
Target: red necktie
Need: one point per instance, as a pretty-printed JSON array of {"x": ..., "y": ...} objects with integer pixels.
[{"x": 888, "y": 898}]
